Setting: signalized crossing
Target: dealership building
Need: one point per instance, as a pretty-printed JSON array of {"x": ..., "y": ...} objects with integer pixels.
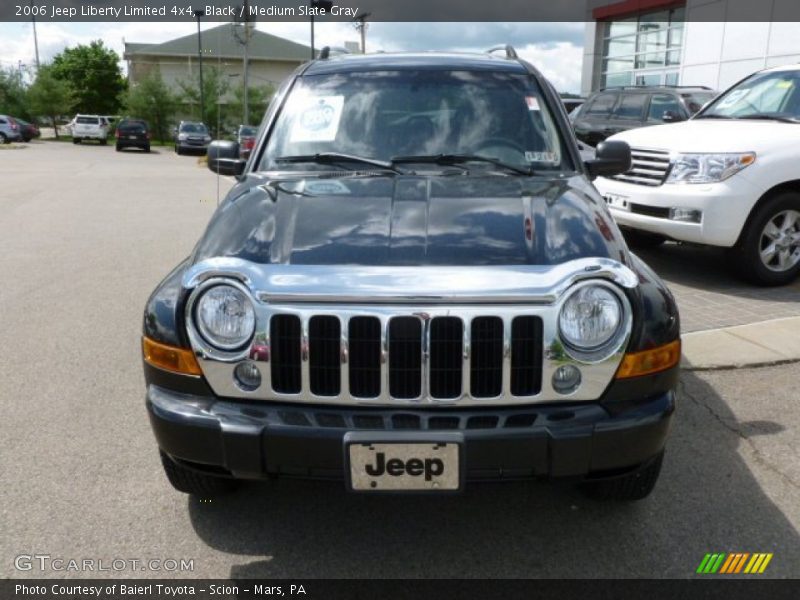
[{"x": 713, "y": 43}]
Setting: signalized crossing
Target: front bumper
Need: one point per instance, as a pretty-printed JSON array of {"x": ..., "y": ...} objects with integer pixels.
[
  {"x": 254, "y": 441},
  {"x": 725, "y": 207},
  {"x": 192, "y": 145}
]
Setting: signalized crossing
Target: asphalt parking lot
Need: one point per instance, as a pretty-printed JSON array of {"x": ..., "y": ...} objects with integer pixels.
[{"x": 86, "y": 233}]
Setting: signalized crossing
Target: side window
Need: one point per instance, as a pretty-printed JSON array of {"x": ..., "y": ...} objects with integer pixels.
[
  {"x": 600, "y": 106},
  {"x": 661, "y": 103},
  {"x": 631, "y": 107},
  {"x": 3, "y": 121}
]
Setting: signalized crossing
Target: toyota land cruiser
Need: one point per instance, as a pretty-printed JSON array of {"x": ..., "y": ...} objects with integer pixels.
[{"x": 413, "y": 285}]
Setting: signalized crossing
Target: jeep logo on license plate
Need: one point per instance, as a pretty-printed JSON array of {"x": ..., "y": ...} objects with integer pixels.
[{"x": 404, "y": 466}]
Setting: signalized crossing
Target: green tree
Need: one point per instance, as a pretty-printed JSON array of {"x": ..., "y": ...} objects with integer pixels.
[
  {"x": 94, "y": 74},
  {"x": 50, "y": 96},
  {"x": 13, "y": 94},
  {"x": 152, "y": 100},
  {"x": 257, "y": 99},
  {"x": 215, "y": 87}
]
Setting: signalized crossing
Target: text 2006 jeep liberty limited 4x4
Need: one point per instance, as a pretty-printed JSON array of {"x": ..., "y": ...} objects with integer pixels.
[{"x": 413, "y": 285}]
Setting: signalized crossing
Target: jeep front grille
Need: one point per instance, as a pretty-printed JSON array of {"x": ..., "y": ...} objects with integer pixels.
[
  {"x": 648, "y": 167},
  {"x": 412, "y": 371}
]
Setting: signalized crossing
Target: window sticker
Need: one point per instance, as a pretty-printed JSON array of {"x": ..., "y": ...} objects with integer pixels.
[
  {"x": 783, "y": 84},
  {"x": 541, "y": 157},
  {"x": 317, "y": 119},
  {"x": 733, "y": 98},
  {"x": 532, "y": 102}
]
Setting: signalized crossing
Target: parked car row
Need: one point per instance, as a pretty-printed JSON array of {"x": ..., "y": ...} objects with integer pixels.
[{"x": 14, "y": 129}]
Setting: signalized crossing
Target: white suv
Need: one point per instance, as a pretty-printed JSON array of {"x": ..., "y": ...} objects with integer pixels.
[
  {"x": 729, "y": 177},
  {"x": 89, "y": 127}
]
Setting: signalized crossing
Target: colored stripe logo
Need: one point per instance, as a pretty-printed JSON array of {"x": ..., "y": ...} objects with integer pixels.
[{"x": 734, "y": 563}]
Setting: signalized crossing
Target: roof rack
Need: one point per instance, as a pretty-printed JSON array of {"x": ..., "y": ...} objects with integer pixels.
[
  {"x": 638, "y": 87},
  {"x": 328, "y": 50},
  {"x": 509, "y": 49}
]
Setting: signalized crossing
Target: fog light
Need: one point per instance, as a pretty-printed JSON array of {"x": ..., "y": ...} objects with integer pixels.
[
  {"x": 247, "y": 376},
  {"x": 566, "y": 379},
  {"x": 688, "y": 215}
]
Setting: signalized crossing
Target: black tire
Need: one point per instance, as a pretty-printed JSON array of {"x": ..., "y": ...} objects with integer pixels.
[
  {"x": 194, "y": 483},
  {"x": 76, "y": 140},
  {"x": 147, "y": 149},
  {"x": 119, "y": 148},
  {"x": 747, "y": 252},
  {"x": 103, "y": 142},
  {"x": 4, "y": 139},
  {"x": 627, "y": 488},
  {"x": 642, "y": 239},
  {"x": 177, "y": 150}
]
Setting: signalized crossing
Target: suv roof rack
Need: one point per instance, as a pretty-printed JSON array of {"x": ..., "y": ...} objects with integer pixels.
[
  {"x": 328, "y": 50},
  {"x": 509, "y": 50},
  {"x": 639, "y": 87}
]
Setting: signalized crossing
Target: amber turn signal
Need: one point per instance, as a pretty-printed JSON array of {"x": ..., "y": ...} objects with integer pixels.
[
  {"x": 650, "y": 361},
  {"x": 170, "y": 358}
]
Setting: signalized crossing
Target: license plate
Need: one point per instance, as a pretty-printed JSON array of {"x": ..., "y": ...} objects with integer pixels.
[
  {"x": 616, "y": 201},
  {"x": 388, "y": 463},
  {"x": 131, "y": 137}
]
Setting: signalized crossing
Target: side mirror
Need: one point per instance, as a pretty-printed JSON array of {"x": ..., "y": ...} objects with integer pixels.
[
  {"x": 670, "y": 117},
  {"x": 223, "y": 158},
  {"x": 611, "y": 158}
]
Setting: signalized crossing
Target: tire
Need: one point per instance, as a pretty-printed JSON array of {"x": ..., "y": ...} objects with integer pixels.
[
  {"x": 76, "y": 140},
  {"x": 119, "y": 148},
  {"x": 627, "y": 488},
  {"x": 177, "y": 150},
  {"x": 147, "y": 149},
  {"x": 4, "y": 139},
  {"x": 103, "y": 142},
  {"x": 642, "y": 239},
  {"x": 194, "y": 483},
  {"x": 759, "y": 234}
]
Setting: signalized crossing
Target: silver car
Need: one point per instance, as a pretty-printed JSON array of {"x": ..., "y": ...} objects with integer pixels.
[
  {"x": 10, "y": 130},
  {"x": 191, "y": 136}
]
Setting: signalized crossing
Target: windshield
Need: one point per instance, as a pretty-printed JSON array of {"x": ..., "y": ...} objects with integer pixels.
[
  {"x": 775, "y": 94},
  {"x": 247, "y": 131},
  {"x": 383, "y": 115},
  {"x": 193, "y": 128}
]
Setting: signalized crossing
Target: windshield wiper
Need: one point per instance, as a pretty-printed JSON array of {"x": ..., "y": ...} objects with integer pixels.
[
  {"x": 770, "y": 118},
  {"x": 334, "y": 157},
  {"x": 454, "y": 159},
  {"x": 714, "y": 117}
]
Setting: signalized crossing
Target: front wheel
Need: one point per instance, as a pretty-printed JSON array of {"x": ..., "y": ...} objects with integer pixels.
[
  {"x": 627, "y": 488},
  {"x": 194, "y": 483},
  {"x": 177, "y": 150},
  {"x": 3, "y": 139},
  {"x": 768, "y": 252}
]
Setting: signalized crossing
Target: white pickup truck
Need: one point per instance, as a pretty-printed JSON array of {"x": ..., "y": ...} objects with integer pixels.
[
  {"x": 89, "y": 127},
  {"x": 728, "y": 177}
]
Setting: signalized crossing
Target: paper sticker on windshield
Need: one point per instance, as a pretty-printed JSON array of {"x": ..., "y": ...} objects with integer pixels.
[
  {"x": 733, "y": 98},
  {"x": 317, "y": 119},
  {"x": 532, "y": 102},
  {"x": 541, "y": 157}
]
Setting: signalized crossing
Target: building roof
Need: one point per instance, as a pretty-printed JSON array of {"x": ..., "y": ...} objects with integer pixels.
[{"x": 221, "y": 42}]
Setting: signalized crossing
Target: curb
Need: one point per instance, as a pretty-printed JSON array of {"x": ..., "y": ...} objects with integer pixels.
[{"x": 761, "y": 344}]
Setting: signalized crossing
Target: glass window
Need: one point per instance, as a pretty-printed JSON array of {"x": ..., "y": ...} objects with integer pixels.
[
  {"x": 601, "y": 105},
  {"x": 620, "y": 46},
  {"x": 618, "y": 64},
  {"x": 386, "y": 114},
  {"x": 661, "y": 103},
  {"x": 624, "y": 27},
  {"x": 696, "y": 100},
  {"x": 648, "y": 79},
  {"x": 617, "y": 79},
  {"x": 775, "y": 93},
  {"x": 631, "y": 107},
  {"x": 670, "y": 79}
]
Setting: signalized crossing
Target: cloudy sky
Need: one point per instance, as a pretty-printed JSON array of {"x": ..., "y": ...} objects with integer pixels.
[{"x": 555, "y": 48}]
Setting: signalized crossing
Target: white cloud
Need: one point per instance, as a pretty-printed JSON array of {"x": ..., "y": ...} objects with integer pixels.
[{"x": 560, "y": 62}]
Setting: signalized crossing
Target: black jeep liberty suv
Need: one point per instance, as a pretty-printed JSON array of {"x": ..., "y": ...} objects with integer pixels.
[{"x": 413, "y": 285}]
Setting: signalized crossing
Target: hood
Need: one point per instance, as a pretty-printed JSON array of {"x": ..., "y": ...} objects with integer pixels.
[
  {"x": 711, "y": 135},
  {"x": 411, "y": 220}
]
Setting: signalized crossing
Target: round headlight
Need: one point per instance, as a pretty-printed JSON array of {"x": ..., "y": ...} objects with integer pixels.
[
  {"x": 590, "y": 317},
  {"x": 225, "y": 317}
]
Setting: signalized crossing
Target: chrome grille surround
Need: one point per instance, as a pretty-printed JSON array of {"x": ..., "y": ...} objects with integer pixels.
[
  {"x": 649, "y": 167},
  {"x": 424, "y": 293}
]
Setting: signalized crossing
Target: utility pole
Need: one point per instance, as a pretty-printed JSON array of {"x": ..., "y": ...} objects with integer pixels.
[
  {"x": 35, "y": 37},
  {"x": 317, "y": 5},
  {"x": 245, "y": 42},
  {"x": 360, "y": 22},
  {"x": 200, "y": 13}
]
